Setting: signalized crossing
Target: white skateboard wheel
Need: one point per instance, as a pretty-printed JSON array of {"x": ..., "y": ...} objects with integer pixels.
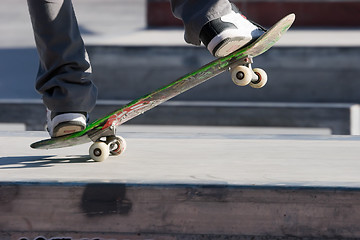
[
  {"x": 99, "y": 151},
  {"x": 262, "y": 78},
  {"x": 117, "y": 146},
  {"x": 241, "y": 75}
]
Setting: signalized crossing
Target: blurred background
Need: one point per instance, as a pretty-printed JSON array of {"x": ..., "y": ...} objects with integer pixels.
[{"x": 137, "y": 46}]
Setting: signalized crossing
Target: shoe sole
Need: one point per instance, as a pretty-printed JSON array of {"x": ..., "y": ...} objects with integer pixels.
[
  {"x": 229, "y": 45},
  {"x": 67, "y": 128}
]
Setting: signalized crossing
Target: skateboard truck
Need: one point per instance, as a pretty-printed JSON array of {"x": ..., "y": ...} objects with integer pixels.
[
  {"x": 242, "y": 73},
  {"x": 105, "y": 143},
  {"x": 97, "y": 134}
]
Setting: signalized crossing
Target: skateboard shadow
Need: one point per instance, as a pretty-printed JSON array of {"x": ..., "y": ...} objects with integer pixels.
[{"x": 39, "y": 161}]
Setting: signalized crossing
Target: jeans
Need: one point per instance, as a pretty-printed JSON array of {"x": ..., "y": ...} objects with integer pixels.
[{"x": 64, "y": 77}]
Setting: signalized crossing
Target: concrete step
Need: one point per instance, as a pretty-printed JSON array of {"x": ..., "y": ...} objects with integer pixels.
[
  {"x": 337, "y": 118},
  {"x": 296, "y": 74},
  {"x": 320, "y": 64},
  {"x": 182, "y": 185}
]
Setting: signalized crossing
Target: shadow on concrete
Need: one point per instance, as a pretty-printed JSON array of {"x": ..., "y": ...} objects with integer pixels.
[{"x": 19, "y": 162}]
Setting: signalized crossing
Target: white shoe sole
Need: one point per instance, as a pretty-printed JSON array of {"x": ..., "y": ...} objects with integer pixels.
[
  {"x": 66, "y": 123},
  {"x": 226, "y": 43},
  {"x": 231, "y": 40}
]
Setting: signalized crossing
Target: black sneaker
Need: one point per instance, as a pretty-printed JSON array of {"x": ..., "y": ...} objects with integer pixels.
[
  {"x": 229, "y": 33},
  {"x": 60, "y": 124}
]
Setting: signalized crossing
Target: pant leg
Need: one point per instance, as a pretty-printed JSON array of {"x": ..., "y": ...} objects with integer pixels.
[
  {"x": 64, "y": 76},
  {"x": 196, "y": 13}
]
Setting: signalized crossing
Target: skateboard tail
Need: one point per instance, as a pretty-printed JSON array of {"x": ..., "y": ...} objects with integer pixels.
[{"x": 270, "y": 38}]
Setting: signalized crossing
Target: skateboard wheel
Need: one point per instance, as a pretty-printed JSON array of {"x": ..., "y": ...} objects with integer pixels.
[
  {"x": 117, "y": 145},
  {"x": 262, "y": 78},
  {"x": 99, "y": 151},
  {"x": 241, "y": 75}
]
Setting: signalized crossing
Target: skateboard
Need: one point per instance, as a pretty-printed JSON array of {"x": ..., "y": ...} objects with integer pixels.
[{"x": 102, "y": 132}]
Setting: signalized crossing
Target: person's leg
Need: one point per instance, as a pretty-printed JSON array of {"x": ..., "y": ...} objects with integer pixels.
[
  {"x": 64, "y": 76},
  {"x": 216, "y": 23},
  {"x": 196, "y": 13}
]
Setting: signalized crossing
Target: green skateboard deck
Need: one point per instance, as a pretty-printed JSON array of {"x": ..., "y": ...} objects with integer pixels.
[{"x": 105, "y": 127}]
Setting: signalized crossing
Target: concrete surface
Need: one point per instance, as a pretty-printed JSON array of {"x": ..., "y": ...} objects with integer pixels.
[
  {"x": 176, "y": 212},
  {"x": 191, "y": 155},
  {"x": 295, "y": 74},
  {"x": 337, "y": 118},
  {"x": 183, "y": 183}
]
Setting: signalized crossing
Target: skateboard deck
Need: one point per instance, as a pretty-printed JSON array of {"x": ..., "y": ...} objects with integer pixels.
[{"x": 238, "y": 62}]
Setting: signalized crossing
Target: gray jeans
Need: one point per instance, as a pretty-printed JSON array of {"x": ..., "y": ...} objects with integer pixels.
[{"x": 64, "y": 78}]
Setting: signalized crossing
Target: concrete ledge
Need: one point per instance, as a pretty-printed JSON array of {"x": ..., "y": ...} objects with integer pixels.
[
  {"x": 296, "y": 74},
  {"x": 197, "y": 185},
  {"x": 342, "y": 119},
  {"x": 309, "y": 13},
  {"x": 126, "y": 211}
]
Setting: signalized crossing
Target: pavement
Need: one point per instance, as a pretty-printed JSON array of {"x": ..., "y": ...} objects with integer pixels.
[
  {"x": 183, "y": 183},
  {"x": 191, "y": 155}
]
